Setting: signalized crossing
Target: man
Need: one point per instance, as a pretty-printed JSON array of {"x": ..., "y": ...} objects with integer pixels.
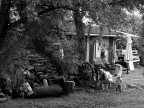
[{"x": 106, "y": 79}]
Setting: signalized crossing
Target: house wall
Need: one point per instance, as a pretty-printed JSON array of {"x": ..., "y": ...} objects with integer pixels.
[
  {"x": 106, "y": 47},
  {"x": 111, "y": 49},
  {"x": 95, "y": 49},
  {"x": 91, "y": 50}
]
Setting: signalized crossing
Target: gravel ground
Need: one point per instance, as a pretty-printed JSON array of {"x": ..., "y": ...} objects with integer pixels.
[{"x": 131, "y": 97}]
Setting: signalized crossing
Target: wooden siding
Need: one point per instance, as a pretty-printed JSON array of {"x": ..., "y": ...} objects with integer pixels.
[
  {"x": 111, "y": 48},
  {"x": 107, "y": 44}
]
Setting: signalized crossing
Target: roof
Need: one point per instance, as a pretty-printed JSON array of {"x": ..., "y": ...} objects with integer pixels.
[
  {"x": 101, "y": 30},
  {"x": 96, "y": 31},
  {"x": 124, "y": 34},
  {"x": 93, "y": 35}
]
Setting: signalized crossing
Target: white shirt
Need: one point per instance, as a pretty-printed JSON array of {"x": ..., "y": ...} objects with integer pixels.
[
  {"x": 108, "y": 76},
  {"x": 118, "y": 70}
]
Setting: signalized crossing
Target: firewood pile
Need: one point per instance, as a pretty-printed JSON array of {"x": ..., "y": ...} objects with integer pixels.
[
  {"x": 41, "y": 67},
  {"x": 41, "y": 78}
]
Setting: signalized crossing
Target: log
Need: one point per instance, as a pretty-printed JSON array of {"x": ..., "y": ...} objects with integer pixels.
[
  {"x": 48, "y": 71},
  {"x": 42, "y": 69},
  {"x": 59, "y": 80},
  {"x": 40, "y": 73},
  {"x": 46, "y": 77},
  {"x": 54, "y": 90}
]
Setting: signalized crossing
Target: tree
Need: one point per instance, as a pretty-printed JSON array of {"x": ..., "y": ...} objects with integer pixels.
[
  {"x": 4, "y": 17},
  {"x": 103, "y": 12}
]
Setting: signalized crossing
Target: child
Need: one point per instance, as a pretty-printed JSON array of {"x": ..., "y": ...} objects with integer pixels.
[
  {"x": 118, "y": 75},
  {"x": 118, "y": 84},
  {"x": 118, "y": 70}
]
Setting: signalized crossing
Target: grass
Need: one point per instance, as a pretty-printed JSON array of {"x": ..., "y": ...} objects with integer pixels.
[{"x": 127, "y": 99}]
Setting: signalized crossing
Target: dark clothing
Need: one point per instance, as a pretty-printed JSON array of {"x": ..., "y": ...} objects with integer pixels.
[
  {"x": 118, "y": 88},
  {"x": 2, "y": 82},
  {"x": 3, "y": 85},
  {"x": 102, "y": 77},
  {"x": 96, "y": 69}
]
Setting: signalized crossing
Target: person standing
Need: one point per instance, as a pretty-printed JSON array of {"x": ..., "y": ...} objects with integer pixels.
[{"x": 118, "y": 75}]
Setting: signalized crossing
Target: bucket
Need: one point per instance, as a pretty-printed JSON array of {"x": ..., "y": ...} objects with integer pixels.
[
  {"x": 69, "y": 87},
  {"x": 98, "y": 86}
]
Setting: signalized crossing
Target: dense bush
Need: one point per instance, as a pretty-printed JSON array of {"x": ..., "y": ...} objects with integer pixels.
[{"x": 13, "y": 59}]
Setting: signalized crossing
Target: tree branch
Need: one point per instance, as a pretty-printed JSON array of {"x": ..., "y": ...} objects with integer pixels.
[
  {"x": 51, "y": 8},
  {"x": 116, "y": 2},
  {"x": 17, "y": 23}
]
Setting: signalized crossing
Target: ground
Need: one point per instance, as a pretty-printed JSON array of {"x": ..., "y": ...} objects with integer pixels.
[{"x": 131, "y": 97}]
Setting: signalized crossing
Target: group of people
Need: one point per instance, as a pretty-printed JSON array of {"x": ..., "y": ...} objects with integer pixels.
[{"x": 107, "y": 79}]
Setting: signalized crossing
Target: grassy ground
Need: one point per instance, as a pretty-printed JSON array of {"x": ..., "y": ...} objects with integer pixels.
[{"x": 129, "y": 98}]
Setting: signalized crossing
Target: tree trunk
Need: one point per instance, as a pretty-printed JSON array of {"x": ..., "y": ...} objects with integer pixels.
[
  {"x": 4, "y": 20},
  {"x": 79, "y": 33}
]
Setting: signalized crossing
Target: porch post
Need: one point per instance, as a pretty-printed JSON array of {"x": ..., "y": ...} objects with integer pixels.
[
  {"x": 88, "y": 49},
  {"x": 115, "y": 53},
  {"x": 94, "y": 51}
]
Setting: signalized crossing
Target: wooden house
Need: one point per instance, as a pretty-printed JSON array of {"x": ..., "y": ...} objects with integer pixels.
[{"x": 101, "y": 45}]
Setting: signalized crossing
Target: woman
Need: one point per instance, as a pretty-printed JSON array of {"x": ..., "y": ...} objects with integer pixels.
[{"x": 106, "y": 79}]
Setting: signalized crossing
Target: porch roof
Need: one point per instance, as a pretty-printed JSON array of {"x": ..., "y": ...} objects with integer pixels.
[
  {"x": 94, "y": 34},
  {"x": 124, "y": 34},
  {"x": 96, "y": 31}
]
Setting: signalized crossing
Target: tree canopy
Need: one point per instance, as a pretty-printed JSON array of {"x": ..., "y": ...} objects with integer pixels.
[{"x": 39, "y": 20}]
